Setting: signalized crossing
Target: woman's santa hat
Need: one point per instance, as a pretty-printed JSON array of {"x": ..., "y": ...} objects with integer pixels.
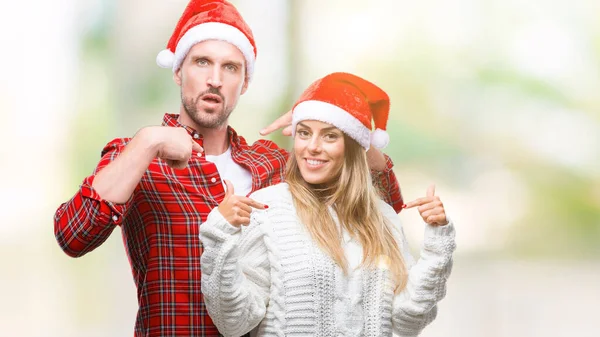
[
  {"x": 208, "y": 20},
  {"x": 350, "y": 103}
]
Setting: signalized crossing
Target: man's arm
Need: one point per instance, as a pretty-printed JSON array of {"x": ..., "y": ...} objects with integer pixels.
[
  {"x": 87, "y": 220},
  {"x": 117, "y": 181},
  {"x": 384, "y": 178}
]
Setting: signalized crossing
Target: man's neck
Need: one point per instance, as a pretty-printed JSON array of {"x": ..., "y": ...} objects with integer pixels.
[{"x": 216, "y": 140}]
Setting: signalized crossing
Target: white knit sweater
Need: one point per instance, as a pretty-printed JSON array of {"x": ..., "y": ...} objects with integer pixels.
[{"x": 270, "y": 278}]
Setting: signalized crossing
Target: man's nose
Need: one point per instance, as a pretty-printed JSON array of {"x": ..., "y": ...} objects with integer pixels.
[{"x": 214, "y": 80}]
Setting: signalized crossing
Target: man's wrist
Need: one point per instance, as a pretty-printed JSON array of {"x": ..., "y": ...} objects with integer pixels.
[{"x": 148, "y": 138}]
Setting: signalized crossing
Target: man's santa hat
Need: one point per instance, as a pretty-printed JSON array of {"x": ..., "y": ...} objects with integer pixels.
[
  {"x": 208, "y": 20},
  {"x": 350, "y": 103}
]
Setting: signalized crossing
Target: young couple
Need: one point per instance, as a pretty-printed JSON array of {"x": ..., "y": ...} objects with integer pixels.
[{"x": 229, "y": 238}]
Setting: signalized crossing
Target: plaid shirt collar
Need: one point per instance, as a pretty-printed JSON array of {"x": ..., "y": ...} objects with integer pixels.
[{"x": 237, "y": 142}]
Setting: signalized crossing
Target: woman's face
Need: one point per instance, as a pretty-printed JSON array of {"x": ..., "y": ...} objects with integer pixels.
[{"x": 319, "y": 151}]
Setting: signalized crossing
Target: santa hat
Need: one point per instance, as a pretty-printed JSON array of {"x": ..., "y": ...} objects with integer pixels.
[
  {"x": 348, "y": 102},
  {"x": 208, "y": 20}
]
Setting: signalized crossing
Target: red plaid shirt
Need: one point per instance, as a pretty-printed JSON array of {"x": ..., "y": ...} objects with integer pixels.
[{"x": 160, "y": 226}]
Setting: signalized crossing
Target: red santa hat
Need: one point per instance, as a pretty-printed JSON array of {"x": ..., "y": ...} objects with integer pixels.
[
  {"x": 208, "y": 20},
  {"x": 350, "y": 103}
]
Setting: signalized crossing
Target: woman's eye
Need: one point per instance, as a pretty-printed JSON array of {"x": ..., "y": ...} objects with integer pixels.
[{"x": 303, "y": 133}]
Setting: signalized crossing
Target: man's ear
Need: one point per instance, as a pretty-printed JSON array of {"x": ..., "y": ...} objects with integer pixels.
[
  {"x": 245, "y": 86},
  {"x": 177, "y": 76}
]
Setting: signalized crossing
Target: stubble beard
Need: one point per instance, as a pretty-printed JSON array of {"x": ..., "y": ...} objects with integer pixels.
[{"x": 207, "y": 118}]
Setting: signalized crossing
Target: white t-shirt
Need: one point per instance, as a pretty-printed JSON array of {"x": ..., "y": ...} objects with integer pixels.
[{"x": 232, "y": 171}]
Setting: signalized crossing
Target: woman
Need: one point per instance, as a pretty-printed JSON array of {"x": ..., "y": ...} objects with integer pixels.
[{"x": 322, "y": 254}]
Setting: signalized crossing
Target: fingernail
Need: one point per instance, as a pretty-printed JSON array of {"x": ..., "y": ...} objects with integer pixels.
[
  {"x": 266, "y": 206},
  {"x": 404, "y": 206}
]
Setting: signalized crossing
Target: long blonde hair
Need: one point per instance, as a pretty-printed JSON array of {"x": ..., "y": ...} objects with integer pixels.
[{"x": 354, "y": 200}]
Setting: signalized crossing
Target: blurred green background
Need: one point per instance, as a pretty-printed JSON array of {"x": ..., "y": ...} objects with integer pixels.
[{"x": 497, "y": 102}]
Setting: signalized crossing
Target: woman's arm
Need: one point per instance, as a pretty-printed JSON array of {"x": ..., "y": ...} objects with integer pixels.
[{"x": 235, "y": 273}]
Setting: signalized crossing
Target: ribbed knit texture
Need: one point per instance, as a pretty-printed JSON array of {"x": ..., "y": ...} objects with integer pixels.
[{"x": 271, "y": 278}]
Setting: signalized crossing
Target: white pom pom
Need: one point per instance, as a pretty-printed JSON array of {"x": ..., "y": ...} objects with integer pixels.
[
  {"x": 380, "y": 138},
  {"x": 165, "y": 59}
]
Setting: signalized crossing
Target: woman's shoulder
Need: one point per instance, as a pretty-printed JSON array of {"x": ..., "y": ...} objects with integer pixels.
[
  {"x": 273, "y": 192},
  {"x": 387, "y": 210}
]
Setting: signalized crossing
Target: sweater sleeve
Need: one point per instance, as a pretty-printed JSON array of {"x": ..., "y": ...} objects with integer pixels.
[
  {"x": 235, "y": 273},
  {"x": 415, "y": 306}
]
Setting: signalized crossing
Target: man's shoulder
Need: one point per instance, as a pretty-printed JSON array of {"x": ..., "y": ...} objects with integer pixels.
[
  {"x": 266, "y": 144},
  {"x": 116, "y": 145},
  {"x": 264, "y": 147}
]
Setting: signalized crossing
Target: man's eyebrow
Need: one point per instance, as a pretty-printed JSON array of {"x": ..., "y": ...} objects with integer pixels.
[{"x": 200, "y": 56}]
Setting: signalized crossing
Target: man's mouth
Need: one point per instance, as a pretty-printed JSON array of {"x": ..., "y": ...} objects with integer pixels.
[{"x": 212, "y": 98}]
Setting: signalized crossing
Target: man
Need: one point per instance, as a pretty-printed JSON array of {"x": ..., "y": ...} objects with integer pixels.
[{"x": 162, "y": 183}]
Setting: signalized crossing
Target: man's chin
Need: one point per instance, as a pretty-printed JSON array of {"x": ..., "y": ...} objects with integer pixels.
[
  {"x": 205, "y": 121},
  {"x": 203, "y": 109}
]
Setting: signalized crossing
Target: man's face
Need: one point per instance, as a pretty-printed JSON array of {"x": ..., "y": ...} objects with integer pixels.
[{"x": 212, "y": 78}]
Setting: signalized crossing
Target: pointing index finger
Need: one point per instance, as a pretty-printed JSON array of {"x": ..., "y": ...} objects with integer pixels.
[
  {"x": 417, "y": 202},
  {"x": 253, "y": 203},
  {"x": 196, "y": 147}
]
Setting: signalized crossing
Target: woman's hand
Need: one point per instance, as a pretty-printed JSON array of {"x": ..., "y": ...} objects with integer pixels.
[
  {"x": 430, "y": 207},
  {"x": 236, "y": 209}
]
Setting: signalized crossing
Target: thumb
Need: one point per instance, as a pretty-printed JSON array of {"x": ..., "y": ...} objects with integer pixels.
[
  {"x": 196, "y": 147},
  {"x": 229, "y": 186},
  {"x": 431, "y": 190}
]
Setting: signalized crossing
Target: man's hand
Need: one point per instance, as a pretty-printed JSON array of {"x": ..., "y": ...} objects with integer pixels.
[
  {"x": 376, "y": 159},
  {"x": 174, "y": 145},
  {"x": 236, "y": 209},
  {"x": 285, "y": 122},
  {"x": 430, "y": 207}
]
